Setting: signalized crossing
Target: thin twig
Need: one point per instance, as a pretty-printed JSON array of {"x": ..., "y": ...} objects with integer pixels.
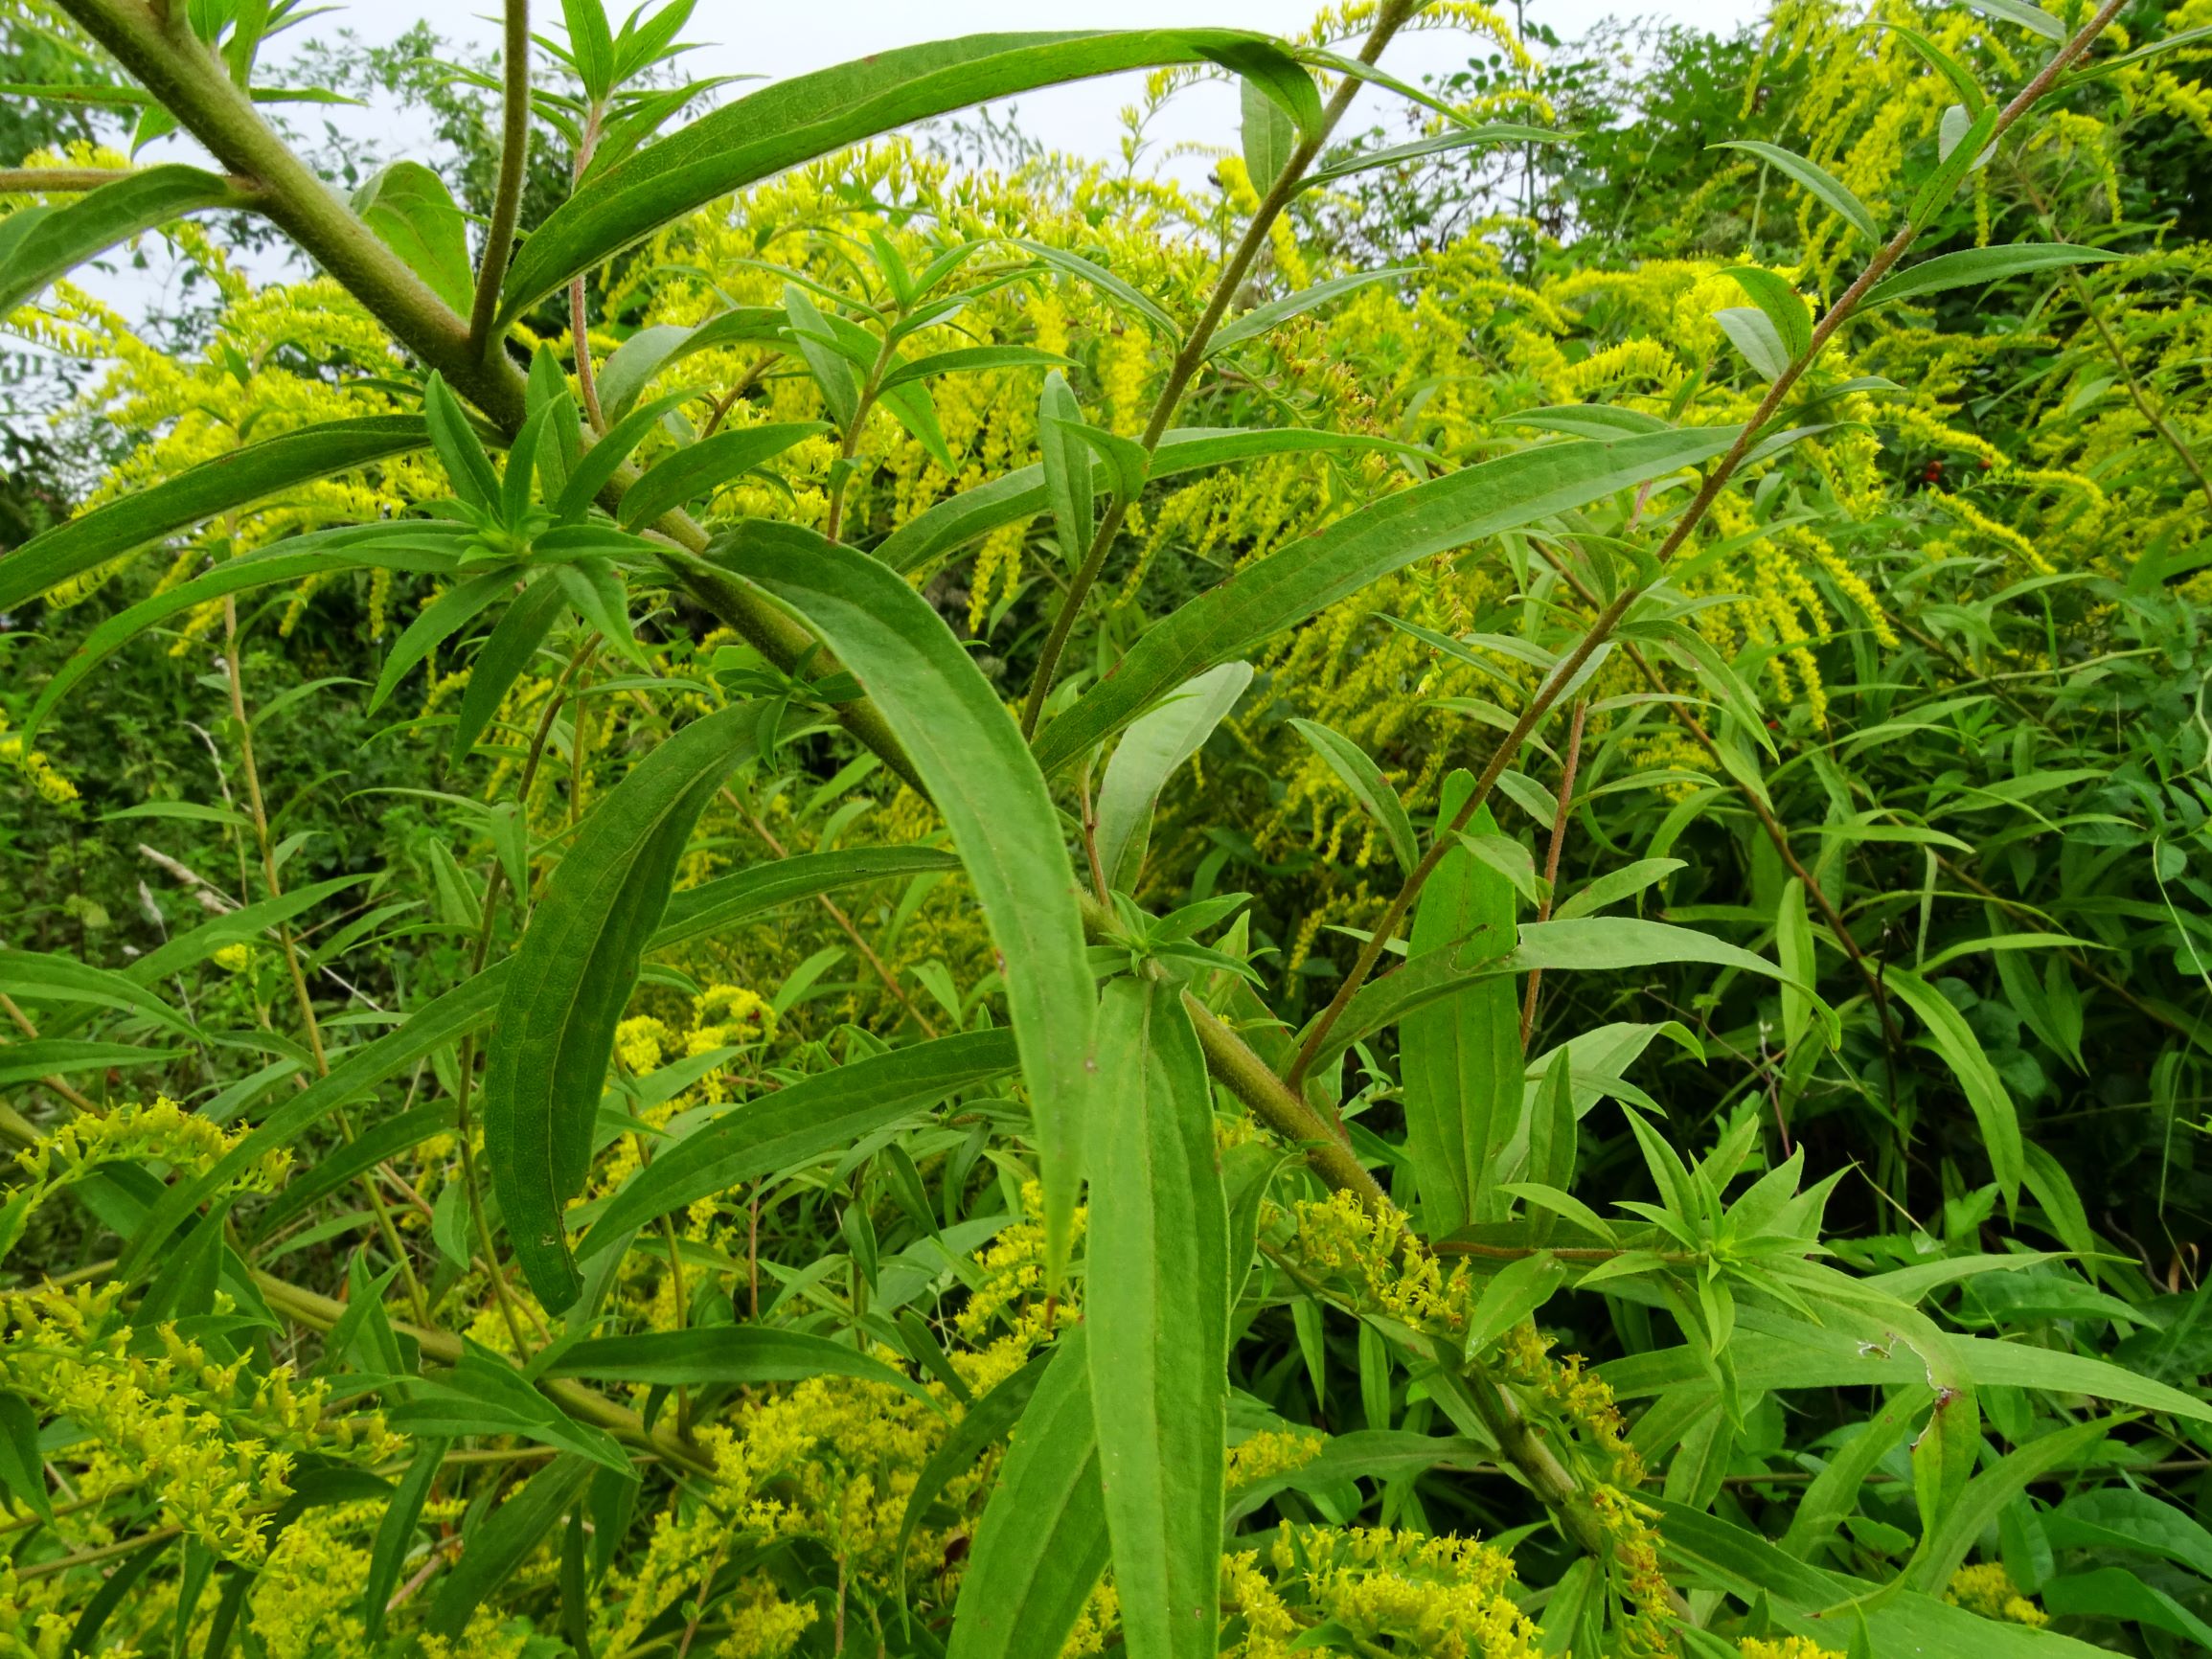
[
  {"x": 1191, "y": 355},
  {"x": 1570, "y": 668}
]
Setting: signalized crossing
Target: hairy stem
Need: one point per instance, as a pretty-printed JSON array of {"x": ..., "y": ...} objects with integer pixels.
[{"x": 513, "y": 164}]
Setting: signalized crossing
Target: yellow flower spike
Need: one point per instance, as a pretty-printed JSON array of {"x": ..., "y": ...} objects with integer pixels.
[{"x": 1988, "y": 1589}]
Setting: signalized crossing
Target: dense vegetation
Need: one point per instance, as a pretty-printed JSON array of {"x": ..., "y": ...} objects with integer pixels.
[{"x": 901, "y": 898}]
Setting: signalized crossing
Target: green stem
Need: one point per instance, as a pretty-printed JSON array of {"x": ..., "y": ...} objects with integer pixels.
[
  {"x": 1609, "y": 619},
  {"x": 513, "y": 164},
  {"x": 173, "y": 63},
  {"x": 1191, "y": 354}
]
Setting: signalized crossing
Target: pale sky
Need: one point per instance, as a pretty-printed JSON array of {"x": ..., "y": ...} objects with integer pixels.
[{"x": 785, "y": 37}]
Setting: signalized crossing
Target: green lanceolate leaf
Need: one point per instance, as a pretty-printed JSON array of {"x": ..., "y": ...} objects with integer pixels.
[
  {"x": 41, "y": 980},
  {"x": 502, "y": 1540},
  {"x": 1156, "y": 1313},
  {"x": 38, "y": 245},
  {"x": 806, "y": 116},
  {"x": 1961, "y": 1051},
  {"x": 699, "y": 468},
  {"x": 1460, "y": 1058},
  {"x": 571, "y": 979},
  {"x": 1359, "y": 774},
  {"x": 1974, "y": 267},
  {"x": 1022, "y": 493},
  {"x": 396, "y": 1533},
  {"x": 1420, "y": 150},
  {"x": 1284, "y": 589},
  {"x": 968, "y": 752},
  {"x": 230, "y": 482},
  {"x": 1259, "y": 320},
  {"x": 1042, "y": 1542},
  {"x": 1817, "y": 180},
  {"x": 802, "y": 1121},
  {"x": 732, "y": 1354},
  {"x": 469, "y": 1006},
  {"x": 506, "y": 651},
  {"x": 631, "y": 366},
  {"x": 1149, "y": 753},
  {"x": 1269, "y": 136},
  {"x": 1067, "y": 468},
  {"x": 982, "y": 1426}
]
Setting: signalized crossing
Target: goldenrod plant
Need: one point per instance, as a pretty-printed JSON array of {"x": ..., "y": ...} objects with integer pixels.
[{"x": 844, "y": 901}]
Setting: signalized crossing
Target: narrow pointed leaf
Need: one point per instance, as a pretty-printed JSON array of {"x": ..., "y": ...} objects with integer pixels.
[
  {"x": 970, "y": 755},
  {"x": 698, "y": 469},
  {"x": 732, "y": 1354},
  {"x": 1974, "y": 267},
  {"x": 1042, "y": 1541},
  {"x": 806, "y": 116},
  {"x": 503, "y": 1540},
  {"x": 1359, "y": 774},
  {"x": 1149, "y": 753},
  {"x": 572, "y": 978},
  {"x": 1157, "y": 1320},
  {"x": 1460, "y": 1058},
  {"x": 39, "y": 245},
  {"x": 1021, "y": 493},
  {"x": 1284, "y": 589},
  {"x": 1817, "y": 180},
  {"x": 1985, "y": 1091},
  {"x": 804, "y": 1120},
  {"x": 230, "y": 482}
]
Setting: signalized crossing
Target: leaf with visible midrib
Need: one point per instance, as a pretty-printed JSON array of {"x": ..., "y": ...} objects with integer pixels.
[
  {"x": 1460, "y": 1058},
  {"x": 38, "y": 245},
  {"x": 800, "y": 1121},
  {"x": 959, "y": 519},
  {"x": 1284, "y": 589},
  {"x": 734, "y": 1354},
  {"x": 214, "y": 486},
  {"x": 794, "y": 121},
  {"x": 571, "y": 979},
  {"x": 1042, "y": 1543},
  {"x": 502, "y": 1539},
  {"x": 1156, "y": 1311},
  {"x": 968, "y": 750},
  {"x": 1985, "y": 1090}
]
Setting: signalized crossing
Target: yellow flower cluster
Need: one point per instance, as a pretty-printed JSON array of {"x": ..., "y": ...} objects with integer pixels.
[
  {"x": 45, "y": 779},
  {"x": 1010, "y": 1287},
  {"x": 1988, "y": 1589},
  {"x": 1784, "y": 1648},
  {"x": 1271, "y": 1452},
  {"x": 214, "y": 1442},
  {"x": 161, "y": 1132},
  {"x": 1443, "y": 1598},
  {"x": 1584, "y": 1401},
  {"x": 1380, "y": 1254}
]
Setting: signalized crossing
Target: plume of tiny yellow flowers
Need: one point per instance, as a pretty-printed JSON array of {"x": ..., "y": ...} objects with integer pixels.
[
  {"x": 1273, "y": 1452},
  {"x": 1784, "y": 1648},
  {"x": 1010, "y": 1288},
  {"x": 1988, "y": 1589},
  {"x": 159, "y": 1131},
  {"x": 214, "y": 1442},
  {"x": 46, "y": 780},
  {"x": 1443, "y": 1598},
  {"x": 1281, "y": 238}
]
